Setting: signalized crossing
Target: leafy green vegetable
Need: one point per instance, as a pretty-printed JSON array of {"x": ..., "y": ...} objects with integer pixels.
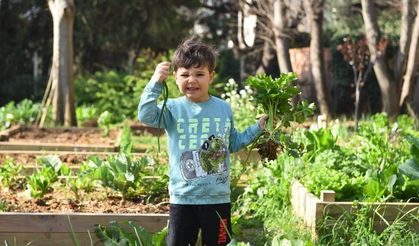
[
  {"x": 104, "y": 122},
  {"x": 10, "y": 175},
  {"x": 129, "y": 233},
  {"x": 274, "y": 98}
]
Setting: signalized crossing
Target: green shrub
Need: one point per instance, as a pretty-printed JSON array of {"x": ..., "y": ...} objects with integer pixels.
[
  {"x": 24, "y": 112},
  {"x": 118, "y": 92}
]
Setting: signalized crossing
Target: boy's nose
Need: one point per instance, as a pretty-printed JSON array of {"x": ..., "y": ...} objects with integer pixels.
[{"x": 192, "y": 79}]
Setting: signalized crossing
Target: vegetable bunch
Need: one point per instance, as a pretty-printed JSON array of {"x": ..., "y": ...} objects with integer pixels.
[{"x": 274, "y": 98}]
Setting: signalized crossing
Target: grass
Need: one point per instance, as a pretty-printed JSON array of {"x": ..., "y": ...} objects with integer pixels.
[{"x": 357, "y": 228}]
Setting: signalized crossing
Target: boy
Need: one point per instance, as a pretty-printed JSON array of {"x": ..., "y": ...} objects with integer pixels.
[{"x": 201, "y": 135}]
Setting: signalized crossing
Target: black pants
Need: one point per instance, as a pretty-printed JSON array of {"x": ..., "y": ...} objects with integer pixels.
[{"x": 185, "y": 221}]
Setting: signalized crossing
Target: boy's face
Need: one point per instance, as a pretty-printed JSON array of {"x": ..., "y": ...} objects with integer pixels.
[{"x": 194, "y": 82}]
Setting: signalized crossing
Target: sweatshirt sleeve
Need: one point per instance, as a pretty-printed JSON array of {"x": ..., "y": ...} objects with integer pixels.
[
  {"x": 148, "y": 110},
  {"x": 239, "y": 140}
]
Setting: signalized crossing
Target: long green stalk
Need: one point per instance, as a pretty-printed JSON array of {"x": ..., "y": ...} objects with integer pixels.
[{"x": 165, "y": 97}]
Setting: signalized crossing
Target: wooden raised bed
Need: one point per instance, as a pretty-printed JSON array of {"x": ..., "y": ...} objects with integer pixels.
[
  {"x": 54, "y": 229},
  {"x": 313, "y": 210},
  {"x": 139, "y": 128},
  {"x": 14, "y": 139}
]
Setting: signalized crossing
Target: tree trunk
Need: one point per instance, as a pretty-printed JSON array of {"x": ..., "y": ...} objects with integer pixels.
[
  {"x": 405, "y": 34},
  {"x": 388, "y": 87},
  {"x": 62, "y": 82},
  {"x": 267, "y": 56},
  {"x": 411, "y": 69},
  {"x": 281, "y": 39},
  {"x": 314, "y": 10}
]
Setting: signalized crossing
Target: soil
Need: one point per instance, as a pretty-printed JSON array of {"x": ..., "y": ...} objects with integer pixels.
[
  {"x": 70, "y": 159},
  {"x": 64, "y": 202},
  {"x": 59, "y": 201},
  {"x": 139, "y": 128},
  {"x": 81, "y": 136}
]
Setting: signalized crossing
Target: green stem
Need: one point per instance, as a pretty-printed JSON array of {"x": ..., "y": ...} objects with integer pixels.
[
  {"x": 252, "y": 146},
  {"x": 165, "y": 97}
]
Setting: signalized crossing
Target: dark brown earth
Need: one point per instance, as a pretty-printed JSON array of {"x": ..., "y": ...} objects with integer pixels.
[
  {"x": 62, "y": 199},
  {"x": 94, "y": 136}
]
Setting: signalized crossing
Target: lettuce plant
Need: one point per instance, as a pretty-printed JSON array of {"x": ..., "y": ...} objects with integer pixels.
[{"x": 274, "y": 98}]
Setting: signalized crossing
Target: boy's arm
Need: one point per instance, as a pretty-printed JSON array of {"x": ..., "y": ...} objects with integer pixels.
[
  {"x": 148, "y": 111},
  {"x": 240, "y": 140}
]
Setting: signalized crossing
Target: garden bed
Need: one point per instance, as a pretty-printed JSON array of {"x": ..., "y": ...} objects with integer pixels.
[
  {"x": 313, "y": 210},
  {"x": 139, "y": 128},
  {"x": 73, "y": 159},
  {"x": 45, "y": 221},
  {"x": 59, "y": 139},
  {"x": 55, "y": 229}
]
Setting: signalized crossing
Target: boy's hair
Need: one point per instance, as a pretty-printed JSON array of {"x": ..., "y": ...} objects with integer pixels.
[{"x": 193, "y": 53}]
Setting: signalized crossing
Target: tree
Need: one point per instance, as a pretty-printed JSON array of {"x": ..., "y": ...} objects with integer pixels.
[
  {"x": 406, "y": 96},
  {"x": 390, "y": 82},
  {"x": 388, "y": 86},
  {"x": 112, "y": 35},
  {"x": 314, "y": 10},
  {"x": 60, "y": 89},
  {"x": 358, "y": 56},
  {"x": 274, "y": 27}
]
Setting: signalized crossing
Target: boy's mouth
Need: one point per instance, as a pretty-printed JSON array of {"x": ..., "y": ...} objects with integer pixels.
[{"x": 192, "y": 89}]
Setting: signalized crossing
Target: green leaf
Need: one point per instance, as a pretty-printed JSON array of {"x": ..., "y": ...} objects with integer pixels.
[
  {"x": 373, "y": 189},
  {"x": 159, "y": 238},
  {"x": 410, "y": 168},
  {"x": 52, "y": 161},
  {"x": 391, "y": 182}
]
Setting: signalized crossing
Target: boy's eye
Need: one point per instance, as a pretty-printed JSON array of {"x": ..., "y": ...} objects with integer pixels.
[{"x": 184, "y": 75}]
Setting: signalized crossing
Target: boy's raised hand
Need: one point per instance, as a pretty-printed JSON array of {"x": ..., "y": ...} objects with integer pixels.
[{"x": 162, "y": 72}]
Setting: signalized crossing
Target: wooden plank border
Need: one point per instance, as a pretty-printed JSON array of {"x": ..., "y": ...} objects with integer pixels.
[
  {"x": 313, "y": 210},
  {"x": 10, "y": 146},
  {"x": 4, "y": 135},
  {"x": 54, "y": 228},
  {"x": 58, "y": 147}
]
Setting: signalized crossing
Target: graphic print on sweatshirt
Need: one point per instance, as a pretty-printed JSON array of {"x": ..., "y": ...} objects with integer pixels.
[{"x": 210, "y": 159}]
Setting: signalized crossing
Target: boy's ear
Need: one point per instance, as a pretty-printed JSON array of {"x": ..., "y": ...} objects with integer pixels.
[
  {"x": 174, "y": 74},
  {"x": 212, "y": 75}
]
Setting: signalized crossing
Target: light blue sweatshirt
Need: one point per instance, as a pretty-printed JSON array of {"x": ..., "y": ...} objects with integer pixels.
[{"x": 201, "y": 137}]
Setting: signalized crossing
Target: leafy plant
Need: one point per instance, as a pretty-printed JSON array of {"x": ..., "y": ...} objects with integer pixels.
[
  {"x": 409, "y": 170},
  {"x": 22, "y": 113},
  {"x": 86, "y": 114},
  {"x": 126, "y": 143},
  {"x": 120, "y": 173},
  {"x": 357, "y": 228},
  {"x": 274, "y": 98},
  {"x": 104, "y": 122},
  {"x": 40, "y": 183},
  {"x": 85, "y": 179},
  {"x": 10, "y": 175},
  {"x": 129, "y": 233},
  {"x": 110, "y": 88}
]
